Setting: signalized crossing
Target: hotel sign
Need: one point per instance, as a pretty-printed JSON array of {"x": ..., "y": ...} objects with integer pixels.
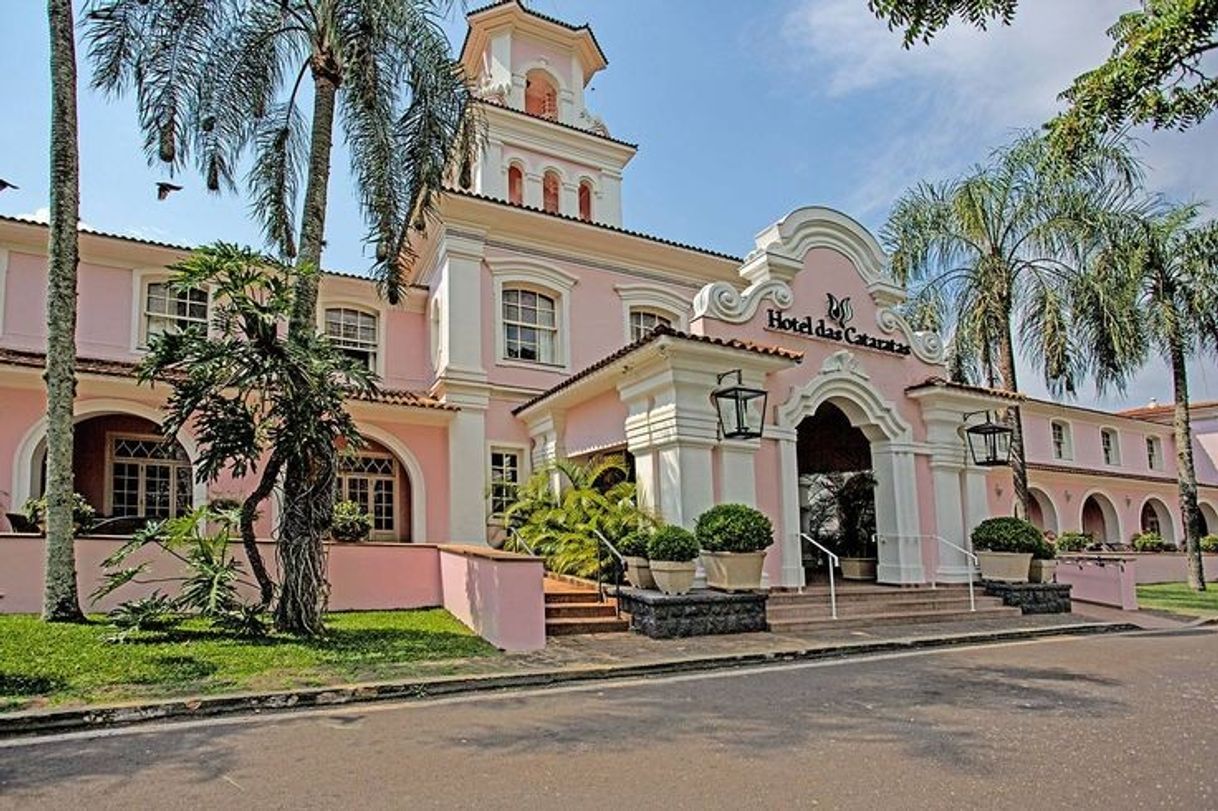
[{"x": 835, "y": 326}]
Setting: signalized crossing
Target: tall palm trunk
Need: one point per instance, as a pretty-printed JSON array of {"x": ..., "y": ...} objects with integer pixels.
[
  {"x": 1019, "y": 467},
  {"x": 308, "y": 486},
  {"x": 1186, "y": 475},
  {"x": 60, "y": 600}
]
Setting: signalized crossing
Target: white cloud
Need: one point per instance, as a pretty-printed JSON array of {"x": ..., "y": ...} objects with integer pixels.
[{"x": 43, "y": 215}]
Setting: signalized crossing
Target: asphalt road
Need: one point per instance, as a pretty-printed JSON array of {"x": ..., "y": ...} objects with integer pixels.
[{"x": 1097, "y": 722}]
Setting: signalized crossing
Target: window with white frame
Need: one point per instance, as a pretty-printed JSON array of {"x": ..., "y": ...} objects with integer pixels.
[
  {"x": 505, "y": 478},
  {"x": 354, "y": 332},
  {"x": 644, "y": 322},
  {"x": 1062, "y": 448},
  {"x": 530, "y": 326},
  {"x": 1110, "y": 443},
  {"x": 1154, "y": 453},
  {"x": 168, "y": 308},
  {"x": 370, "y": 480},
  {"x": 150, "y": 476}
]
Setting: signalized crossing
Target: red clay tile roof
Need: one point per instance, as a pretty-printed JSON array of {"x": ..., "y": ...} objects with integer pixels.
[
  {"x": 1162, "y": 409},
  {"x": 639, "y": 234},
  {"x": 651, "y": 337},
  {"x": 942, "y": 382},
  {"x": 500, "y": 106},
  {"x": 122, "y": 368}
]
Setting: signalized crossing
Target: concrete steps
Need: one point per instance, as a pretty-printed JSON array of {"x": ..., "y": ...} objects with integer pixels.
[
  {"x": 573, "y": 608},
  {"x": 863, "y": 606}
]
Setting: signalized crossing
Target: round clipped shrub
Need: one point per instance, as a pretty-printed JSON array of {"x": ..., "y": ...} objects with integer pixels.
[
  {"x": 633, "y": 544},
  {"x": 1008, "y": 534},
  {"x": 350, "y": 522},
  {"x": 1148, "y": 542},
  {"x": 674, "y": 544},
  {"x": 1073, "y": 541},
  {"x": 734, "y": 528},
  {"x": 1210, "y": 544}
]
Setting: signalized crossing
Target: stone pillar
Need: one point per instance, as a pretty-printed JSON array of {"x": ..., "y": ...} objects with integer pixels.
[
  {"x": 568, "y": 199},
  {"x": 491, "y": 177},
  {"x": 548, "y": 446},
  {"x": 954, "y": 565},
  {"x": 686, "y": 482},
  {"x": 737, "y": 472},
  {"x": 789, "y": 540},
  {"x": 533, "y": 194},
  {"x": 467, "y": 464},
  {"x": 897, "y": 524},
  {"x": 609, "y": 204}
]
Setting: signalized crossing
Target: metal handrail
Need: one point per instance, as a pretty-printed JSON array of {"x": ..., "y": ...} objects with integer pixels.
[
  {"x": 972, "y": 599},
  {"x": 516, "y": 538},
  {"x": 600, "y": 588},
  {"x": 834, "y": 560}
]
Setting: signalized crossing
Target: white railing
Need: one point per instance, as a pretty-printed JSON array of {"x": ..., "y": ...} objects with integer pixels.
[
  {"x": 973, "y": 561},
  {"x": 833, "y": 561}
]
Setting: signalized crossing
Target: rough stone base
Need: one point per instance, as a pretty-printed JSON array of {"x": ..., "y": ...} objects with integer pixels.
[
  {"x": 1032, "y": 598},
  {"x": 698, "y": 613}
]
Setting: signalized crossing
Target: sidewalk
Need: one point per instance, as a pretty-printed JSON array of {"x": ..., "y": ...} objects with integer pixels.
[
  {"x": 573, "y": 659},
  {"x": 1144, "y": 619}
]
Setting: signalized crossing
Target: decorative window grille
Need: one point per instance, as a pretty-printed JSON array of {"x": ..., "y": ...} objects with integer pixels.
[
  {"x": 149, "y": 477},
  {"x": 370, "y": 480}
]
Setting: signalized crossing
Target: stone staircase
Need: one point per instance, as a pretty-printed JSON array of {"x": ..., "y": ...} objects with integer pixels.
[
  {"x": 572, "y": 607},
  {"x": 860, "y": 606}
]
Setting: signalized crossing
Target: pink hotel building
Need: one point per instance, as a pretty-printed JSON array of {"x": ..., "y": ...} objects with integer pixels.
[{"x": 529, "y": 334}]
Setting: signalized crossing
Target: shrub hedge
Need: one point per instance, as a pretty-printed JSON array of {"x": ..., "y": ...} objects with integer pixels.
[
  {"x": 1008, "y": 534},
  {"x": 1073, "y": 541},
  {"x": 734, "y": 528},
  {"x": 1210, "y": 544},
  {"x": 1148, "y": 542},
  {"x": 633, "y": 544}
]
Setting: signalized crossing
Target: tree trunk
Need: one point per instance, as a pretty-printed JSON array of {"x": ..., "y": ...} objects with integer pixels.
[
  {"x": 61, "y": 602},
  {"x": 249, "y": 509},
  {"x": 1186, "y": 475},
  {"x": 307, "y": 504},
  {"x": 1019, "y": 467}
]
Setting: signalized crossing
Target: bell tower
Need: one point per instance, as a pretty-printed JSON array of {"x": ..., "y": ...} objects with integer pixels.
[{"x": 544, "y": 148}]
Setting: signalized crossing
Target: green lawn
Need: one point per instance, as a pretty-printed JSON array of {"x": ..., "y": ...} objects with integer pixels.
[
  {"x": 1179, "y": 598},
  {"x": 43, "y": 664}
]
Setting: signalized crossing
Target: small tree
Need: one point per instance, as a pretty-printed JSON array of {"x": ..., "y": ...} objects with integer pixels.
[{"x": 255, "y": 399}]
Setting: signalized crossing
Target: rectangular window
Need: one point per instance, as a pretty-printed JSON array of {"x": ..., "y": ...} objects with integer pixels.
[
  {"x": 530, "y": 326},
  {"x": 149, "y": 477},
  {"x": 505, "y": 479},
  {"x": 1061, "y": 441},
  {"x": 1112, "y": 452},
  {"x": 354, "y": 332},
  {"x": 171, "y": 309},
  {"x": 1154, "y": 453},
  {"x": 643, "y": 322}
]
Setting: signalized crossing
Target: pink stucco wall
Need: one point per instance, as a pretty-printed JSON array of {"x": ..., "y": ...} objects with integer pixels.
[
  {"x": 1107, "y": 581},
  {"x": 500, "y": 597}
]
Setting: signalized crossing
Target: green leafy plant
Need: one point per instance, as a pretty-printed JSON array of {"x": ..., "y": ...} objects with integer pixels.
[
  {"x": 350, "y": 522},
  {"x": 1149, "y": 542},
  {"x": 734, "y": 528},
  {"x": 634, "y": 544},
  {"x": 156, "y": 612},
  {"x": 842, "y": 513},
  {"x": 1210, "y": 544},
  {"x": 597, "y": 503},
  {"x": 83, "y": 514},
  {"x": 670, "y": 543},
  {"x": 1007, "y": 534},
  {"x": 1073, "y": 541}
]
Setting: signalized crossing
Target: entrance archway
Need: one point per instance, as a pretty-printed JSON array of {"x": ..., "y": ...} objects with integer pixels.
[
  {"x": 1156, "y": 518},
  {"x": 413, "y": 488},
  {"x": 1209, "y": 519},
  {"x": 1099, "y": 519},
  {"x": 1041, "y": 511}
]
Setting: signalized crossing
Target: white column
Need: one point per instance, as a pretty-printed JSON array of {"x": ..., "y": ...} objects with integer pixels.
[
  {"x": 533, "y": 195},
  {"x": 566, "y": 107},
  {"x": 461, "y": 295},
  {"x": 896, "y": 498},
  {"x": 788, "y": 481},
  {"x": 686, "y": 484},
  {"x": 609, "y": 205},
  {"x": 491, "y": 178},
  {"x": 467, "y": 484},
  {"x": 737, "y": 472},
  {"x": 976, "y": 499},
  {"x": 568, "y": 199},
  {"x": 549, "y": 446},
  {"x": 954, "y": 565}
]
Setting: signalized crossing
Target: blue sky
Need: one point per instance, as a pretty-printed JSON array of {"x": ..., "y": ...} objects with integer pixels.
[{"x": 743, "y": 111}]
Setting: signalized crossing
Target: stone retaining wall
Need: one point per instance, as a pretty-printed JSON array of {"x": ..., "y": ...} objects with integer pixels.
[
  {"x": 699, "y": 613},
  {"x": 1032, "y": 598}
]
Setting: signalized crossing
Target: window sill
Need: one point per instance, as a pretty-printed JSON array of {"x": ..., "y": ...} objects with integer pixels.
[{"x": 557, "y": 368}]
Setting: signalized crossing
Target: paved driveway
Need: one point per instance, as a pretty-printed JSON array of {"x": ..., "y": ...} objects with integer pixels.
[{"x": 1108, "y": 722}]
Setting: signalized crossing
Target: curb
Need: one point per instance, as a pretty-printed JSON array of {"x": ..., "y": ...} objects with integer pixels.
[{"x": 42, "y": 722}]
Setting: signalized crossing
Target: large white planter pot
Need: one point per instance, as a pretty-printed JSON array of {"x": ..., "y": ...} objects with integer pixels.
[
  {"x": 673, "y": 577},
  {"x": 638, "y": 570},
  {"x": 858, "y": 568},
  {"x": 733, "y": 571},
  {"x": 1042, "y": 571},
  {"x": 1009, "y": 567}
]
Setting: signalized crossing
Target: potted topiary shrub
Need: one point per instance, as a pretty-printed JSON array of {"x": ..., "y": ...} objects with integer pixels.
[
  {"x": 1043, "y": 568},
  {"x": 350, "y": 522},
  {"x": 1149, "y": 542},
  {"x": 671, "y": 553},
  {"x": 1073, "y": 542},
  {"x": 83, "y": 514},
  {"x": 1004, "y": 548},
  {"x": 633, "y": 547},
  {"x": 1209, "y": 544},
  {"x": 733, "y": 538}
]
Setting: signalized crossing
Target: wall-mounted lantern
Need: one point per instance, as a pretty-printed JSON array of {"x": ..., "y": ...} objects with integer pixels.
[
  {"x": 989, "y": 441},
  {"x": 741, "y": 408}
]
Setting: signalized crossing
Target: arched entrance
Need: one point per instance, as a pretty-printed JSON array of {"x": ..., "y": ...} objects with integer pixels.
[
  {"x": 1099, "y": 519},
  {"x": 1209, "y": 519},
  {"x": 377, "y": 480},
  {"x": 1156, "y": 518},
  {"x": 1041, "y": 511}
]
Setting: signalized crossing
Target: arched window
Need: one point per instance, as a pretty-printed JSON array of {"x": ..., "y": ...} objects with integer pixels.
[
  {"x": 515, "y": 185},
  {"x": 354, "y": 332},
  {"x": 643, "y": 322},
  {"x": 150, "y": 477},
  {"x": 549, "y": 192},
  {"x": 585, "y": 201},
  {"x": 530, "y": 326},
  {"x": 373, "y": 479},
  {"x": 540, "y": 95}
]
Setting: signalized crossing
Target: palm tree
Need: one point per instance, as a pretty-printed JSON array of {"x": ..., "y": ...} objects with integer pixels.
[
  {"x": 217, "y": 78},
  {"x": 997, "y": 248},
  {"x": 61, "y": 603},
  {"x": 1162, "y": 264}
]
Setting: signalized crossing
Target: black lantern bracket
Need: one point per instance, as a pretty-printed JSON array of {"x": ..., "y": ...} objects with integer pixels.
[
  {"x": 989, "y": 442},
  {"x": 740, "y": 409}
]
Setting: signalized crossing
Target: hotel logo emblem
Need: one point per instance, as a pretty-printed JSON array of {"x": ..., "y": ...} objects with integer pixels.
[{"x": 840, "y": 312}]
